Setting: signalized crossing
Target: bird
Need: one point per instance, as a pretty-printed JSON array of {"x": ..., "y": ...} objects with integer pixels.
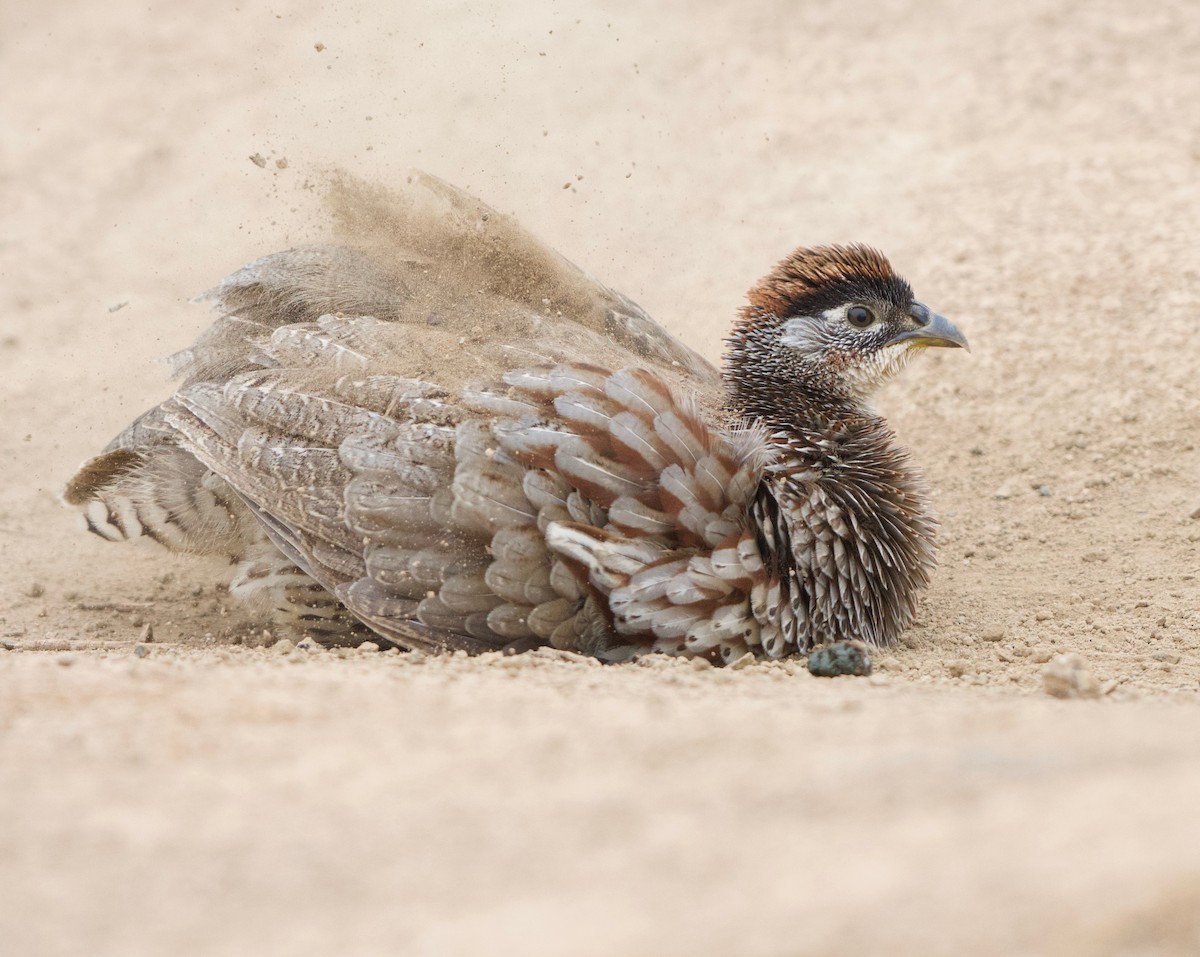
[{"x": 436, "y": 433}]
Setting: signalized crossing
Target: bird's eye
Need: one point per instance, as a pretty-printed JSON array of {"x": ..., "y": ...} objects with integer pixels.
[{"x": 859, "y": 316}]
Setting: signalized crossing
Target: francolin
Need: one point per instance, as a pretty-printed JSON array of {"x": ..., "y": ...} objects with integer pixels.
[{"x": 439, "y": 430}]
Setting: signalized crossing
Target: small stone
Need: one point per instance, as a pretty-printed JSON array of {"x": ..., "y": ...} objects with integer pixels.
[
  {"x": 1067, "y": 676},
  {"x": 281, "y": 163},
  {"x": 745, "y": 661},
  {"x": 368, "y": 646},
  {"x": 307, "y": 644},
  {"x": 1195, "y": 513},
  {"x": 839, "y": 658},
  {"x": 701, "y": 664},
  {"x": 140, "y": 651},
  {"x": 993, "y": 633},
  {"x": 318, "y": 46},
  {"x": 283, "y": 647},
  {"x": 1168, "y": 656},
  {"x": 1040, "y": 656},
  {"x": 1003, "y": 492},
  {"x": 258, "y": 160},
  {"x": 546, "y": 653},
  {"x": 956, "y": 669},
  {"x": 1044, "y": 615},
  {"x": 1044, "y": 491},
  {"x": 147, "y": 633}
]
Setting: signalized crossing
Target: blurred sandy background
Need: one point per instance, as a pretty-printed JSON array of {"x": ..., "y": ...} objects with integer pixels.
[{"x": 1031, "y": 166}]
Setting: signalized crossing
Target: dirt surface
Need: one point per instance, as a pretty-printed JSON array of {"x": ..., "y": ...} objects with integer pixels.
[{"x": 1031, "y": 167}]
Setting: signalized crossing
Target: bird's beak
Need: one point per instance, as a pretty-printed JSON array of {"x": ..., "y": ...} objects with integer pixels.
[{"x": 935, "y": 330}]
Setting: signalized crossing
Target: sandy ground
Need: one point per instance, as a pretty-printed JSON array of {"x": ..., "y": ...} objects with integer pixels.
[{"x": 1031, "y": 166}]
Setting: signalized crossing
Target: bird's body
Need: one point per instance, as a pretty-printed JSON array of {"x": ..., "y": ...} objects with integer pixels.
[{"x": 446, "y": 430}]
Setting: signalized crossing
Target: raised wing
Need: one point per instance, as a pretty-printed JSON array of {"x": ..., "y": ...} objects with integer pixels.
[{"x": 476, "y": 292}]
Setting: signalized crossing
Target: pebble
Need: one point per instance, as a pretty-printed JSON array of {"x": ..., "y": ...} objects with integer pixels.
[
  {"x": 839, "y": 658},
  {"x": 140, "y": 651},
  {"x": 368, "y": 646},
  {"x": 307, "y": 644},
  {"x": 575, "y": 658},
  {"x": 745, "y": 661},
  {"x": 1002, "y": 493},
  {"x": 1067, "y": 676},
  {"x": 701, "y": 664},
  {"x": 283, "y": 647},
  {"x": 956, "y": 669},
  {"x": 147, "y": 633},
  {"x": 994, "y": 633}
]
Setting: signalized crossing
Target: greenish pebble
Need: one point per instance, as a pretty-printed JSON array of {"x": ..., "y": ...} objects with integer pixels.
[{"x": 839, "y": 658}]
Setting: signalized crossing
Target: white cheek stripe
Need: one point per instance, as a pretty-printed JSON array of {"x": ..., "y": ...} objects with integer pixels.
[
  {"x": 811, "y": 333},
  {"x": 802, "y": 333}
]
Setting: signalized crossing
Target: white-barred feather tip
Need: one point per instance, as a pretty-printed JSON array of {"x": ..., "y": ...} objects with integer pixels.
[
  {"x": 642, "y": 392},
  {"x": 637, "y": 438}
]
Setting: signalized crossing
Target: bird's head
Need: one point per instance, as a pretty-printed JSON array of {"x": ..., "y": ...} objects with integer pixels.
[{"x": 828, "y": 325}]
